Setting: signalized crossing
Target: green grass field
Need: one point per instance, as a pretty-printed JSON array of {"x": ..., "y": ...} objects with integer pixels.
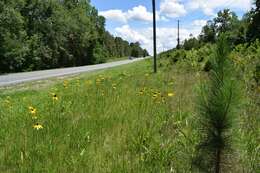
[{"x": 124, "y": 119}]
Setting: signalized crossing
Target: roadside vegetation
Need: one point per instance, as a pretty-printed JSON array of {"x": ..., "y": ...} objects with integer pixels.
[
  {"x": 199, "y": 113},
  {"x": 121, "y": 120},
  {"x": 37, "y": 35}
]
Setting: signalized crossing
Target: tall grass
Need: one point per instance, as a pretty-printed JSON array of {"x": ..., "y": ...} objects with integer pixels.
[
  {"x": 111, "y": 122},
  {"x": 119, "y": 120}
]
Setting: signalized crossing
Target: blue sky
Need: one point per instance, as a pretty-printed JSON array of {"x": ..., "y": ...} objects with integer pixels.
[{"x": 132, "y": 19}]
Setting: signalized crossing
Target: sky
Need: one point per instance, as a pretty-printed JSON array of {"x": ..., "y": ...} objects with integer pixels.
[{"x": 132, "y": 19}]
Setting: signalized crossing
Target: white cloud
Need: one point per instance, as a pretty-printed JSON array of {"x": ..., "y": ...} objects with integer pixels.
[
  {"x": 131, "y": 35},
  {"x": 116, "y": 15},
  {"x": 172, "y": 8},
  {"x": 199, "y": 23},
  {"x": 138, "y": 13},
  {"x": 208, "y": 6},
  {"x": 166, "y": 36}
]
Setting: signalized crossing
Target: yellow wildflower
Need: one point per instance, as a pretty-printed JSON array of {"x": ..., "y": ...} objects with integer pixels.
[
  {"x": 78, "y": 82},
  {"x": 55, "y": 97},
  {"x": 37, "y": 126},
  {"x": 32, "y": 110},
  {"x": 155, "y": 96},
  {"x": 141, "y": 92},
  {"x": 65, "y": 84},
  {"x": 170, "y": 94},
  {"x": 98, "y": 81},
  {"x": 114, "y": 86},
  {"x": 89, "y": 82}
]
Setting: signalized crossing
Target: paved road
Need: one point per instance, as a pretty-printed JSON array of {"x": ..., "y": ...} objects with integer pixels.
[{"x": 16, "y": 78}]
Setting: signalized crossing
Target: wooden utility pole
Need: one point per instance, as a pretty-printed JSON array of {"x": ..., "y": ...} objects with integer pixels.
[
  {"x": 178, "y": 39},
  {"x": 154, "y": 37}
]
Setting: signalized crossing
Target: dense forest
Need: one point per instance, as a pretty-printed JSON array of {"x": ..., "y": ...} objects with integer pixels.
[{"x": 44, "y": 34}]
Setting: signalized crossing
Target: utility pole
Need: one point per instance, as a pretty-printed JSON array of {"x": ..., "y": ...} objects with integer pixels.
[
  {"x": 154, "y": 37},
  {"x": 178, "y": 39}
]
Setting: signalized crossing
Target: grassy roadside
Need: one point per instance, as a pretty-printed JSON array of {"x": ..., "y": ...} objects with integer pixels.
[
  {"x": 110, "y": 121},
  {"x": 124, "y": 119},
  {"x": 117, "y": 59}
]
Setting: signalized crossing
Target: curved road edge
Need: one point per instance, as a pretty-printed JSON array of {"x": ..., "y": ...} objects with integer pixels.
[{"x": 17, "y": 78}]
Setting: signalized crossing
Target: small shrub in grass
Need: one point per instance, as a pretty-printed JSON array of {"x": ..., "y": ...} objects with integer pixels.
[{"x": 217, "y": 106}]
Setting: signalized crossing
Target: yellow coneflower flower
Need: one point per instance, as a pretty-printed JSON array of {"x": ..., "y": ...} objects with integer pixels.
[
  {"x": 55, "y": 97},
  {"x": 32, "y": 110},
  {"x": 163, "y": 100},
  {"x": 37, "y": 126},
  {"x": 114, "y": 86},
  {"x": 141, "y": 92},
  {"x": 155, "y": 96},
  {"x": 65, "y": 84},
  {"x": 98, "y": 81},
  {"x": 89, "y": 82},
  {"x": 78, "y": 82},
  {"x": 170, "y": 94}
]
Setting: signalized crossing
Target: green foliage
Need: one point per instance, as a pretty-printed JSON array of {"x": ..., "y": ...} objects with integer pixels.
[
  {"x": 247, "y": 59},
  {"x": 49, "y": 34},
  {"x": 192, "y": 43},
  {"x": 136, "y": 51},
  {"x": 217, "y": 113},
  {"x": 254, "y": 26},
  {"x": 208, "y": 33}
]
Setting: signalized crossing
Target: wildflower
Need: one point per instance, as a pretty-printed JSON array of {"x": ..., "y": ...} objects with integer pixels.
[
  {"x": 170, "y": 94},
  {"x": 37, "y": 126},
  {"x": 54, "y": 97},
  {"x": 78, "y": 82},
  {"x": 171, "y": 83},
  {"x": 98, "y": 81},
  {"x": 114, "y": 86},
  {"x": 155, "y": 96},
  {"x": 163, "y": 99},
  {"x": 89, "y": 82},
  {"x": 32, "y": 110},
  {"x": 65, "y": 84},
  {"x": 141, "y": 92}
]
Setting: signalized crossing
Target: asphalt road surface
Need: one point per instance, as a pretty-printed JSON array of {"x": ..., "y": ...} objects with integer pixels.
[{"x": 16, "y": 78}]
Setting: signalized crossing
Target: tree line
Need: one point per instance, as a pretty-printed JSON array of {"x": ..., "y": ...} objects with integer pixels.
[
  {"x": 44, "y": 34},
  {"x": 237, "y": 31}
]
